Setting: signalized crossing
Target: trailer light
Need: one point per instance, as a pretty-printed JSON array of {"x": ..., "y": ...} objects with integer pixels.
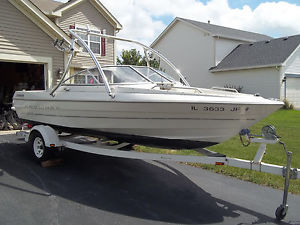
[
  {"x": 220, "y": 164},
  {"x": 52, "y": 145}
]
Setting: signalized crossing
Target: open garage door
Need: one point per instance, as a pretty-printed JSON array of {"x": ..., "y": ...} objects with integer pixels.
[
  {"x": 293, "y": 89},
  {"x": 19, "y": 76}
]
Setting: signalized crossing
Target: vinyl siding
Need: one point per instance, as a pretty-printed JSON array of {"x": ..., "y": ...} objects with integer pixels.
[
  {"x": 293, "y": 91},
  {"x": 291, "y": 66},
  {"x": 191, "y": 51},
  {"x": 83, "y": 60},
  {"x": 294, "y": 68},
  {"x": 264, "y": 81},
  {"x": 292, "y": 83},
  {"x": 86, "y": 13},
  {"x": 224, "y": 47},
  {"x": 20, "y": 36}
]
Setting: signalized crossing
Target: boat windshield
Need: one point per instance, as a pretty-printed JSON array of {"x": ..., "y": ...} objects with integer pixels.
[
  {"x": 122, "y": 74},
  {"x": 118, "y": 75},
  {"x": 154, "y": 75}
]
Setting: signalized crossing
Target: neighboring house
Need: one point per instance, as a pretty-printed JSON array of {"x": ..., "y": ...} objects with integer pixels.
[
  {"x": 194, "y": 47},
  {"x": 210, "y": 55},
  {"x": 271, "y": 68},
  {"x": 28, "y": 29}
]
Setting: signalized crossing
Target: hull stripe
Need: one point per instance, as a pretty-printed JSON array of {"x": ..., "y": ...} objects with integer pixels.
[{"x": 96, "y": 117}]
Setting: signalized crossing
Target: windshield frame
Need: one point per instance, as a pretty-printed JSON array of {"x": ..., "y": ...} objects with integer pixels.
[{"x": 76, "y": 38}]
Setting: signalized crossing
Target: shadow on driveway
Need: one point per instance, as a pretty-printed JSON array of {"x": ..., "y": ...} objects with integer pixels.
[{"x": 133, "y": 188}]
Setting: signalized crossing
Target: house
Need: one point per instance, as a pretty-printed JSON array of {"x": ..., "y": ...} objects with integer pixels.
[
  {"x": 28, "y": 29},
  {"x": 271, "y": 68},
  {"x": 195, "y": 47},
  {"x": 210, "y": 55}
]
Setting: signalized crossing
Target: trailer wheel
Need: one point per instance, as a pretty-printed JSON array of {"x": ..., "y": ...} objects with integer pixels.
[
  {"x": 40, "y": 151},
  {"x": 280, "y": 212}
]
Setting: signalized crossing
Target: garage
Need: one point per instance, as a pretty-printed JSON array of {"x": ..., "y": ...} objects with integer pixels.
[
  {"x": 293, "y": 89},
  {"x": 14, "y": 77}
]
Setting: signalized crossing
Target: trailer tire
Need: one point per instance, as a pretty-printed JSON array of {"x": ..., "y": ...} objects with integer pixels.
[
  {"x": 39, "y": 150},
  {"x": 280, "y": 212}
]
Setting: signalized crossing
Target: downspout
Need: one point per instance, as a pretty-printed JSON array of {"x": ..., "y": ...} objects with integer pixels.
[
  {"x": 284, "y": 88},
  {"x": 281, "y": 69}
]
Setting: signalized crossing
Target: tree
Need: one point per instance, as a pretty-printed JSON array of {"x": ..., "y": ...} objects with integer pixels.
[
  {"x": 129, "y": 57},
  {"x": 133, "y": 57}
]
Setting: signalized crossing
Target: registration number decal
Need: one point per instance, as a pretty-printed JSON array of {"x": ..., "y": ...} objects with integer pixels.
[
  {"x": 216, "y": 108},
  {"x": 213, "y": 108}
]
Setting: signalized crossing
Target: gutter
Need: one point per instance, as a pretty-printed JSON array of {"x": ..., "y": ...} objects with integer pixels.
[
  {"x": 213, "y": 70},
  {"x": 288, "y": 75},
  {"x": 234, "y": 38}
]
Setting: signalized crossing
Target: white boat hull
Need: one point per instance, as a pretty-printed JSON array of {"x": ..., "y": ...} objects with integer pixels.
[{"x": 195, "y": 118}]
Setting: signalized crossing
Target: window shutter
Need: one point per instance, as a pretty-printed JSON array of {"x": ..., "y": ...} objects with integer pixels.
[
  {"x": 71, "y": 27},
  {"x": 103, "y": 45}
]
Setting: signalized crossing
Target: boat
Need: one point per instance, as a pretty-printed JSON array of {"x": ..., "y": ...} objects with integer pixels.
[{"x": 141, "y": 105}]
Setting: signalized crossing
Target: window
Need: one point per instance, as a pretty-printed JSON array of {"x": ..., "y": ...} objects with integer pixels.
[{"x": 93, "y": 41}]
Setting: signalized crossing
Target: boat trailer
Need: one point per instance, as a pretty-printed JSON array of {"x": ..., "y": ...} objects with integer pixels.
[{"x": 45, "y": 140}]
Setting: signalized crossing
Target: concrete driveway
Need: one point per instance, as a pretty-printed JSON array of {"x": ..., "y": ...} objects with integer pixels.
[{"x": 90, "y": 189}]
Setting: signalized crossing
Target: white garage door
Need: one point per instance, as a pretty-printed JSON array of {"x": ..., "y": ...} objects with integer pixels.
[{"x": 293, "y": 90}]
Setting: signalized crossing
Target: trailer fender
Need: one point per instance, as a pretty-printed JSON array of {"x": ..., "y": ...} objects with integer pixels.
[{"x": 49, "y": 135}]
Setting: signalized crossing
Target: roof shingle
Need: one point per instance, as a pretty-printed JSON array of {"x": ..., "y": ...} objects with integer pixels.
[
  {"x": 228, "y": 32},
  {"x": 259, "y": 54}
]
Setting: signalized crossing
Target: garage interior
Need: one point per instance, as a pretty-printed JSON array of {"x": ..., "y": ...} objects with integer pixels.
[{"x": 14, "y": 77}]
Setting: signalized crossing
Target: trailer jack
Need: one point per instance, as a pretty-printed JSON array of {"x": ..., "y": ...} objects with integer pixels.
[{"x": 269, "y": 136}]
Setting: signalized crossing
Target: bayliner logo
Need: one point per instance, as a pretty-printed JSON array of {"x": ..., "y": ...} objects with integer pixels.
[{"x": 39, "y": 107}]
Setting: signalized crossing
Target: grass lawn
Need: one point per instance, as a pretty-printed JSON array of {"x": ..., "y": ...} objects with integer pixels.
[{"x": 287, "y": 123}]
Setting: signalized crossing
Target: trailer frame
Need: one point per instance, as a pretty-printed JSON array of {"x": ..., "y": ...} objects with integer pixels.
[{"x": 50, "y": 140}]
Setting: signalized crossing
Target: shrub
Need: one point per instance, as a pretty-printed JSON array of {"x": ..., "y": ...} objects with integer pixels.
[{"x": 287, "y": 105}]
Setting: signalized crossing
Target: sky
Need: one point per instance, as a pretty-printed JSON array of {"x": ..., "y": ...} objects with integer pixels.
[{"x": 144, "y": 20}]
